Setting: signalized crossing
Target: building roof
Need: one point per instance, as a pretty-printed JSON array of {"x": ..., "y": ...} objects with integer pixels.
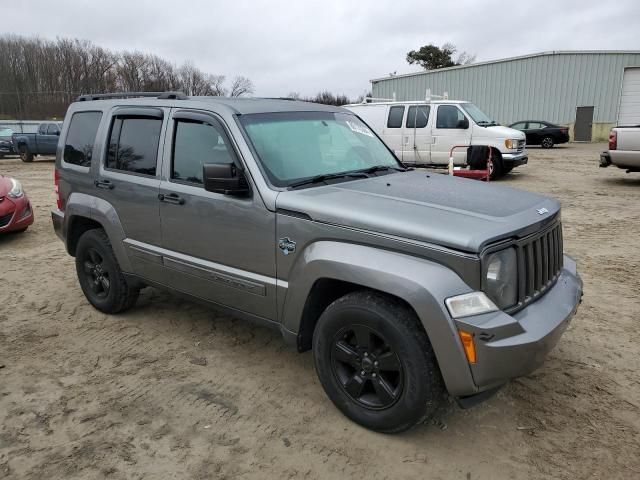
[{"x": 510, "y": 59}]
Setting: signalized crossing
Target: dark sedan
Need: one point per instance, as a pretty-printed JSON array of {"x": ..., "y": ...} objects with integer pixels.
[
  {"x": 542, "y": 133},
  {"x": 6, "y": 145}
]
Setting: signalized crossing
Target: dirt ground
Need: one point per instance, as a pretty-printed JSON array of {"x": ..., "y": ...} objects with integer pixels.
[{"x": 174, "y": 390}]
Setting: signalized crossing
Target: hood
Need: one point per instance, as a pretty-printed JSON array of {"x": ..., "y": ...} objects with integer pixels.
[
  {"x": 499, "y": 131},
  {"x": 453, "y": 212}
]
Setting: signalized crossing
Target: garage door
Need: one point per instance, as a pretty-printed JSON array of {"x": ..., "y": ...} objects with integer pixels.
[{"x": 630, "y": 101}]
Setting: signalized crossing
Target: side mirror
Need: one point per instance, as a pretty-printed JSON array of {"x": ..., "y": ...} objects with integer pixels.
[
  {"x": 58, "y": 133},
  {"x": 224, "y": 178},
  {"x": 463, "y": 124}
]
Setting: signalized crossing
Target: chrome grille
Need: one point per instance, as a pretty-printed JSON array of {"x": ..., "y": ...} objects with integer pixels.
[{"x": 521, "y": 144}]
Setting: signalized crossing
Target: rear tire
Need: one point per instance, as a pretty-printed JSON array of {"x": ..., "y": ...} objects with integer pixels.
[
  {"x": 376, "y": 363},
  {"x": 547, "y": 142},
  {"x": 25, "y": 154},
  {"x": 100, "y": 276}
]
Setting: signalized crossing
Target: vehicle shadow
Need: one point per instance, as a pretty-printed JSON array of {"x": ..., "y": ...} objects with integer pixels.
[
  {"x": 623, "y": 181},
  {"x": 10, "y": 239}
]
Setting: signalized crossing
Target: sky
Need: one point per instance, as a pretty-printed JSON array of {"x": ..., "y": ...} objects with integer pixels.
[{"x": 306, "y": 46}]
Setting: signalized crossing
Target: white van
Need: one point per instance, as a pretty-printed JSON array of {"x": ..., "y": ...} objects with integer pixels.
[{"x": 423, "y": 132}]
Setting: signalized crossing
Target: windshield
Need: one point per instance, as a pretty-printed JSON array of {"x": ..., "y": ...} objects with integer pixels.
[
  {"x": 477, "y": 115},
  {"x": 6, "y": 132},
  {"x": 292, "y": 146}
]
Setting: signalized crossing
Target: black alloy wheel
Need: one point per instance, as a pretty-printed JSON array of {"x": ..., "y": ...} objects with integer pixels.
[
  {"x": 366, "y": 367},
  {"x": 100, "y": 276},
  {"x": 95, "y": 270}
]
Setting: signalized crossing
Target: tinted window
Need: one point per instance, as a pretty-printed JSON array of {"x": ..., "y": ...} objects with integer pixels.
[
  {"x": 80, "y": 137},
  {"x": 133, "y": 144},
  {"x": 448, "y": 116},
  {"x": 53, "y": 129},
  {"x": 42, "y": 129},
  {"x": 395, "y": 117},
  {"x": 194, "y": 145},
  {"x": 418, "y": 116}
]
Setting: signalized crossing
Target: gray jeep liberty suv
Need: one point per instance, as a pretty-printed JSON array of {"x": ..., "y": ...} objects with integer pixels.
[{"x": 405, "y": 284}]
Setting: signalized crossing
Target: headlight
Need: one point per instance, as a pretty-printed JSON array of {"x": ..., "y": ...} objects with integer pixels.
[
  {"x": 473, "y": 303},
  {"x": 16, "y": 189},
  {"x": 501, "y": 277},
  {"x": 511, "y": 143}
]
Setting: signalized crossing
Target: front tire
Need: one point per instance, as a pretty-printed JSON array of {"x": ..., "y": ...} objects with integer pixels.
[
  {"x": 547, "y": 142},
  {"x": 496, "y": 169},
  {"x": 100, "y": 276},
  {"x": 376, "y": 363},
  {"x": 25, "y": 154}
]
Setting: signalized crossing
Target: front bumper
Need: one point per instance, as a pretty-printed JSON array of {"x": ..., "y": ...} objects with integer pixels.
[
  {"x": 510, "y": 346},
  {"x": 15, "y": 214},
  {"x": 6, "y": 148},
  {"x": 515, "y": 159}
]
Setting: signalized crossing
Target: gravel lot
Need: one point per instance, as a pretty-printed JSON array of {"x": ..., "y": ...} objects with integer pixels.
[{"x": 174, "y": 390}]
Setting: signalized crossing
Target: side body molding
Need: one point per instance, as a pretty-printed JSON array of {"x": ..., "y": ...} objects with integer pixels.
[{"x": 423, "y": 284}]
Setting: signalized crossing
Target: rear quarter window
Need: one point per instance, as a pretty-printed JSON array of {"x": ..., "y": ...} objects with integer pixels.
[{"x": 78, "y": 145}]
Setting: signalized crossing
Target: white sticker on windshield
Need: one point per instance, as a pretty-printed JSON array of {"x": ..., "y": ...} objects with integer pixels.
[{"x": 358, "y": 129}]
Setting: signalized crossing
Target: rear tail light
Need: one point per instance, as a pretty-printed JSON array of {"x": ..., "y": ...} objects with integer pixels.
[
  {"x": 613, "y": 140},
  {"x": 564, "y": 130},
  {"x": 56, "y": 188}
]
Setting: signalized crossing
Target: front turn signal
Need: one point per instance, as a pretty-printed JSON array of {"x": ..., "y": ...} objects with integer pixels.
[{"x": 468, "y": 345}]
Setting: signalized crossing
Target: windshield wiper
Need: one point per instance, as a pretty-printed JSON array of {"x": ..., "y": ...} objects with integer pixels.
[
  {"x": 327, "y": 176},
  {"x": 382, "y": 168}
]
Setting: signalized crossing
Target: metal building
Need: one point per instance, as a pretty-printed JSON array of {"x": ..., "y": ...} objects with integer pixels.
[{"x": 588, "y": 91}]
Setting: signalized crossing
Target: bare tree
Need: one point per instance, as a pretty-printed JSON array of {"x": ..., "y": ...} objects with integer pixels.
[
  {"x": 39, "y": 78},
  {"x": 241, "y": 86}
]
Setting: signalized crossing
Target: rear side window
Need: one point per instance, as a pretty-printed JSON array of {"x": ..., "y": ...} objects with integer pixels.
[
  {"x": 133, "y": 144},
  {"x": 195, "y": 144},
  {"x": 418, "y": 116},
  {"x": 395, "y": 117},
  {"x": 78, "y": 145},
  {"x": 42, "y": 129},
  {"x": 449, "y": 116}
]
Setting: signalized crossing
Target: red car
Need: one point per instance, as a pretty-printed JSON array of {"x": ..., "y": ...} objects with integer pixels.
[{"x": 16, "y": 213}]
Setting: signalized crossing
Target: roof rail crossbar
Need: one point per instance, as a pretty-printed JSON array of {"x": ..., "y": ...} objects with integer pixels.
[{"x": 107, "y": 96}]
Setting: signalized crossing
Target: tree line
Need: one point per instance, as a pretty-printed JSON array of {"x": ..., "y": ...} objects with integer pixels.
[{"x": 40, "y": 78}]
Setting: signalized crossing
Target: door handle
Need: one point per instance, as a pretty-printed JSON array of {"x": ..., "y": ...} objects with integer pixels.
[
  {"x": 172, "y": 198},
  {"x": 104, "y": 184}
]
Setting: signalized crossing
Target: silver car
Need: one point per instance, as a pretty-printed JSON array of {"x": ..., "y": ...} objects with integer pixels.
[{"x": 407, "y": 286}]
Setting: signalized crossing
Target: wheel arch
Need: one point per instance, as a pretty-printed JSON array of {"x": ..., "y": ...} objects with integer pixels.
[
  {"x": 85, "y": 212},
  {"x": 329, "y": 270}
]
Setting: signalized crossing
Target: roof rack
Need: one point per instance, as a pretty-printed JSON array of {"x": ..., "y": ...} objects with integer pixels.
[
  {"x": 107, "y": 96},
  {"x": 427, "y": 98}
]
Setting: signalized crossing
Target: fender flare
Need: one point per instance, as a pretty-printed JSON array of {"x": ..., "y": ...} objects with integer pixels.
[
  {"x": 102, "y": 212},
  {"x": 423, "y": 284}
]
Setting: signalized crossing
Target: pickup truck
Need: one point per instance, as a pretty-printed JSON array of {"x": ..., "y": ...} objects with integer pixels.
[
  {"x": 624, "y": 149},
  {"x": 44, "y": 142}
]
